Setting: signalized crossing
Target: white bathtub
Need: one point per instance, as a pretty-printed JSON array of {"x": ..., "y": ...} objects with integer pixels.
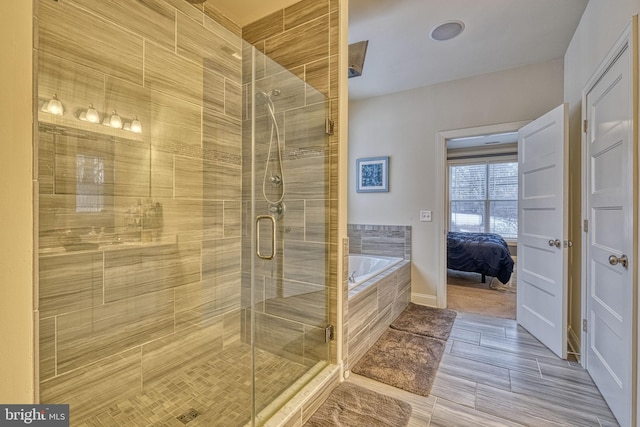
[{"x": 364, "y": 267}]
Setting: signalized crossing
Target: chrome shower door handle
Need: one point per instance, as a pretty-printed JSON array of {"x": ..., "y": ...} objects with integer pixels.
[{"x": 271, "y": 219}]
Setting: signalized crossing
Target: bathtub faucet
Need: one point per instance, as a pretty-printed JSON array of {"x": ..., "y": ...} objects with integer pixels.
[{"x": 352, "y": 277}]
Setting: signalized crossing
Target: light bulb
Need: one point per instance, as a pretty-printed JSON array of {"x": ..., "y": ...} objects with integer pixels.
[
  {"x": 136, "y": 126},
  {"x": 92, "y": 115},
  {"x": 54, "y": 106},
  {"x": 115, "y": 121}
]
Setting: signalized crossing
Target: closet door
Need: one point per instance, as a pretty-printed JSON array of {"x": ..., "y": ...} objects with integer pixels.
[{"x": 609, "y": 248}]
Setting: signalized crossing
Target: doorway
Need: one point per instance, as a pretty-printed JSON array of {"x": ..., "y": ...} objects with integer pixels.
[
  {"x": 472, "y": 143},
  {"x": 481, "y": 223}
]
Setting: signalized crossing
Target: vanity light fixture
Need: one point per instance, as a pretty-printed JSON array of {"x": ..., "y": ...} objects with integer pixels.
[
  {"x": 115, "y": 121},
  {"x": 90, "y": 115},
  {"x": 136, "y": 126},
  {"x": 133, "y": 126},
  {"x": 53, "y": 106}
]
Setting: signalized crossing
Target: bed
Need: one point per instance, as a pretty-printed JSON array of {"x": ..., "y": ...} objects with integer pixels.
[{"x": 484, "y": 253}]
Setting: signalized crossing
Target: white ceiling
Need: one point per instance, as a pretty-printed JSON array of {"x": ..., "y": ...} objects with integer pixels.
[{"x": 499, "y": 34}]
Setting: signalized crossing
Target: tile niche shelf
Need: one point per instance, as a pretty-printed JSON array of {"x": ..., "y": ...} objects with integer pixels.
[{"x": 107, "y": 247}]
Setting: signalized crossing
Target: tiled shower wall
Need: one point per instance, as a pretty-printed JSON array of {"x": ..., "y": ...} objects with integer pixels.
[
  {"x": 151, "y": 299},
  {"x": 302, "y": 39},
  {"x": 155, "y": 297}
]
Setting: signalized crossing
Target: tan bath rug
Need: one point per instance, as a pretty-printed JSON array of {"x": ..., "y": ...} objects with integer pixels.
[
  {"x": 403, "y": 360},
  {"x": 350, "y": 405}
]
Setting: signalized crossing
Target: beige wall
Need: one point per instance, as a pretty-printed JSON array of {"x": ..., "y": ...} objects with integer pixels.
[
  {"x": 405, "y": 125},
  {"x": 602, "y": 23},
  {"x": 16, "y": 204}
]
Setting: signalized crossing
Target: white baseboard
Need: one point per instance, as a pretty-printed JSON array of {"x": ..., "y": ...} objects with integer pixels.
[{"x": 424, "y": 299}]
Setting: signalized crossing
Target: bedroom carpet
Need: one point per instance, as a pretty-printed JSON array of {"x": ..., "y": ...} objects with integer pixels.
[
  {"x": 427, "y": 321},
  {"x": 466, "y": 292},
  {"x": 403, "y": 360},
  {"x": 351, "y": 405},
  {"x": 481, "y": 301}
]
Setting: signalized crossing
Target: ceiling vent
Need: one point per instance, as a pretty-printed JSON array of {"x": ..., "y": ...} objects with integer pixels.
[
  {"x": 447, "y": 31},
  {"x": 357, "y": 52}
]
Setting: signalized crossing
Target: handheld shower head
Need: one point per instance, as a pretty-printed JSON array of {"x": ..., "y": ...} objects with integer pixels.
[
  {"x": 263, "y": 97},
  {"x": 274, "y": 176}
]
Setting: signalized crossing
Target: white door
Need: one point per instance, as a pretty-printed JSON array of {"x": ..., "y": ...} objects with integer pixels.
[
  {"x": 609, "y": 232},
  {"x": 543, "y": 229}
]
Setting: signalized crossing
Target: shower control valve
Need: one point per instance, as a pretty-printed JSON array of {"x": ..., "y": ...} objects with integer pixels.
[{"x": 276, "y": 181}]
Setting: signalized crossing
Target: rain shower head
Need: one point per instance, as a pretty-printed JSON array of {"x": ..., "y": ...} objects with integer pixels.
[{"x": 357, "y": 52}]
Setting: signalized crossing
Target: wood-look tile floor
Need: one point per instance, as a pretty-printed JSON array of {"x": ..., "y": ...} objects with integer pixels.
[{"x": 494, "y": 373}]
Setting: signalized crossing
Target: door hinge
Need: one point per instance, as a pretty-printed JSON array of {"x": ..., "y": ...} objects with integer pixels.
[
  {"x": 585, "y": 225},
  {"x": 329, "y": 333},
  {"x": 329, "y": 126},
  {"x": 584, "y": 325},
  {"x": 585, "y": 126}
]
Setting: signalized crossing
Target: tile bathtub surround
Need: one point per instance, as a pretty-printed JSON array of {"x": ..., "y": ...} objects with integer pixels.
[
  {"x": 385, "y": 240},
  {"x": 373, "y": 306}
]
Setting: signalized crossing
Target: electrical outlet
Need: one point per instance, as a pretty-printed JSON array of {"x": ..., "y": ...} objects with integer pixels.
[{"x": 425, "y": 216}]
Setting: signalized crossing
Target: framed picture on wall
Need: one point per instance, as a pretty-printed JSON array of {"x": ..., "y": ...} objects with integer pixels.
[{"x": 372, "y": 175}]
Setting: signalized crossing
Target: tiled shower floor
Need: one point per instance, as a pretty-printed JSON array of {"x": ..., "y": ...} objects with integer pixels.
[{"x": 219, "y": 389}]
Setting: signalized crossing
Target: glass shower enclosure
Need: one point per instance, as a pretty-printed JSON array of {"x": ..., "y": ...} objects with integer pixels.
[{"x": 183, "y": 216}]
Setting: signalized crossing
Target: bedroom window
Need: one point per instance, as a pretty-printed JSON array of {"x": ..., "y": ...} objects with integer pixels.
[{"x": 484, "y": 197}]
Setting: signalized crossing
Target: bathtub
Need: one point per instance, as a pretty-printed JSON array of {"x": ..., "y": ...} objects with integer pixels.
[{"x": 364, "y": 267}]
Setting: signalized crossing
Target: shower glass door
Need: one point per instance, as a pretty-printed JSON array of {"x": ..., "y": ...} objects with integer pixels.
[
  {"x": 287, "y": 204},
  {"x": 158, "y": 148}
]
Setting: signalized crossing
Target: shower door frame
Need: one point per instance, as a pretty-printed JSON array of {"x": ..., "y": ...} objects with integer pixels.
[{"x": 254, "y": 216}]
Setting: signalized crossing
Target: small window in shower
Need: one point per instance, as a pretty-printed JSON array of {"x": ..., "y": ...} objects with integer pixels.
[{"x": 90, "y": 182}]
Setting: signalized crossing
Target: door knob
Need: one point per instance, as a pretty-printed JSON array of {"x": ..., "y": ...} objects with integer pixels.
[
  {"x": 557, "y": 243},
  {"x": 622, "y": 260}
]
